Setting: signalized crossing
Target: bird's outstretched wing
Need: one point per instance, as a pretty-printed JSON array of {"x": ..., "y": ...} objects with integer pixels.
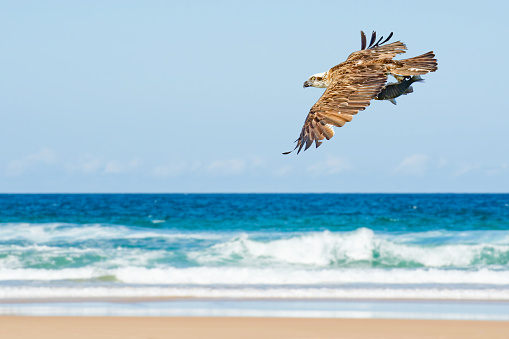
[
  {"x": 377, "y": 50},
  {"x": 350, "y": 92}
]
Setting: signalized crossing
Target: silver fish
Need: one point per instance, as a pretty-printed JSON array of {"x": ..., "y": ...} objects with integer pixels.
[{"x": 393, "y": 90}]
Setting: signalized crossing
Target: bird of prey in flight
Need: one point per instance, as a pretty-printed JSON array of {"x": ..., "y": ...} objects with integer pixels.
[{"x": 351, "y": 85}]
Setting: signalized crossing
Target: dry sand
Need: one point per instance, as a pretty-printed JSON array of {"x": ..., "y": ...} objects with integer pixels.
[{"x": 238, "y": 328}]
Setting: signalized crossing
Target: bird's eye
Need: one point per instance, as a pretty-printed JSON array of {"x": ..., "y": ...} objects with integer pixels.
[{"x": 312, "y": 78}]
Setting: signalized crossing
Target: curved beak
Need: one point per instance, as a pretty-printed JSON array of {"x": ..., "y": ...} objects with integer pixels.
[{"x": 306, "y": 84}]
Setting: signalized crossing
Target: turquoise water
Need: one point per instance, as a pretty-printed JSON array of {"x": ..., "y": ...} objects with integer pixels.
[{"x": 311, "y": 246}]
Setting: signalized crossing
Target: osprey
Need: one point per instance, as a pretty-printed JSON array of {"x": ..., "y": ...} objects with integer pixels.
[{"x": 352, "y": 84}]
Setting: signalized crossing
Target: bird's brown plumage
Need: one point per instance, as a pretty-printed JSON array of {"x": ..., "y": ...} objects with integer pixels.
[{"x": 354, "y": 83}]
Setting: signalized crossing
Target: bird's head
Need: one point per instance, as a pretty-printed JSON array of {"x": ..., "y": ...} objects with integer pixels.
[{"x": 316, "y": 80}]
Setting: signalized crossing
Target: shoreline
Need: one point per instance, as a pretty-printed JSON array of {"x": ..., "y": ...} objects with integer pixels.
[
  {"x": 234, "y": 328},
  {"x": 212, "y": 298},
  {"x": 260, "y": 308}
]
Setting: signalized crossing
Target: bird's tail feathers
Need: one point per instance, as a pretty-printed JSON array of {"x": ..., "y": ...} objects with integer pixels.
[{"x": 418, "y": 65}]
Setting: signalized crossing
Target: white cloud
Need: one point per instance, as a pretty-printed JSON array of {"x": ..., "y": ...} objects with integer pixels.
[
  {"x": 88, "y": 164},
  {"x": 442, "y": 163},
  {"x": 116, "y": 167},
  {"x": 464, "y": 169},
  {"x": 258, "y": 162},
  {"x": 282, "y": 171},
  {"x": 44, "y": 157},
  {"x": 231, "y": 166},
  {"x": 497, "y": 169},
  {"x": 416, "y": 164},
  {"x": 331, "y": 165},
  {"x": 216, "y": 167},
  {"x": 174, "y": 169}
]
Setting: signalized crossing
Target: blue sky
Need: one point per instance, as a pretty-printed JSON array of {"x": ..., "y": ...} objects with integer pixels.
[{"x": 161, "y": 96}]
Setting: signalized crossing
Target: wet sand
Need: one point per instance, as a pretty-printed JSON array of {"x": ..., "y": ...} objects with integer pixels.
[{"x": 17, "y": 327}]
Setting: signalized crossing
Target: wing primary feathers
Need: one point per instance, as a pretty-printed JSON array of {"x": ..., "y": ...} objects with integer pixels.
[
  {"x": 373, "y": 38},
  {"x": 388, "y": 38},
  {"x": 285, "y": 153},
  {"x": 378, "y": 43},
  {"x": 300, "y": 147},
  {"x": 309, "y": 142},
  {"x": 363, "y": 40}
]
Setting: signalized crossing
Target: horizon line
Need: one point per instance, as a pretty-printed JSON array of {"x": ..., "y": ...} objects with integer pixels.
[{"x": 205, "y": 193}]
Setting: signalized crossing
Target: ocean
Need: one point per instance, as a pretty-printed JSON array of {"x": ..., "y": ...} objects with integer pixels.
[{"x": 79, "y": 251}]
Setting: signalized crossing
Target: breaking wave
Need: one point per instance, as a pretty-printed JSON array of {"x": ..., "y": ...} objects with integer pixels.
[
  {"x": 59, "y": 246},
  {"x": 96, "y": 260},
  {"x": 363, "y": 248}
]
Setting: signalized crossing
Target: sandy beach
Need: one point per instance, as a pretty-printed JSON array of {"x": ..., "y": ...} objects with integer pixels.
[{"x": 235, "y": 328}]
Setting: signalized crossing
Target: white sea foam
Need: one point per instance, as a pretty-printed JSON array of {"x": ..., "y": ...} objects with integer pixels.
[
  {"x": 326, "y": 249},
  {"x": 47, "y": 232},
  {"x": 270, "y": 276},
  {"x": 33, "y": 274},
  {"x": 357, "y": 264},
  {"x": 29, "y": 292},
  {"x": 18, "y": 257},
  {"x": 332, "y": 249},
  {"x": 319, "y": 249},
  {"x": 43, "y": 233},
  {"x": 263, "y": 276}
]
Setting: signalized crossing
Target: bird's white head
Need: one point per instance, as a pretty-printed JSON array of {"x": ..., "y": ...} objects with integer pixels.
[{"x": 318, "y": 80}]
